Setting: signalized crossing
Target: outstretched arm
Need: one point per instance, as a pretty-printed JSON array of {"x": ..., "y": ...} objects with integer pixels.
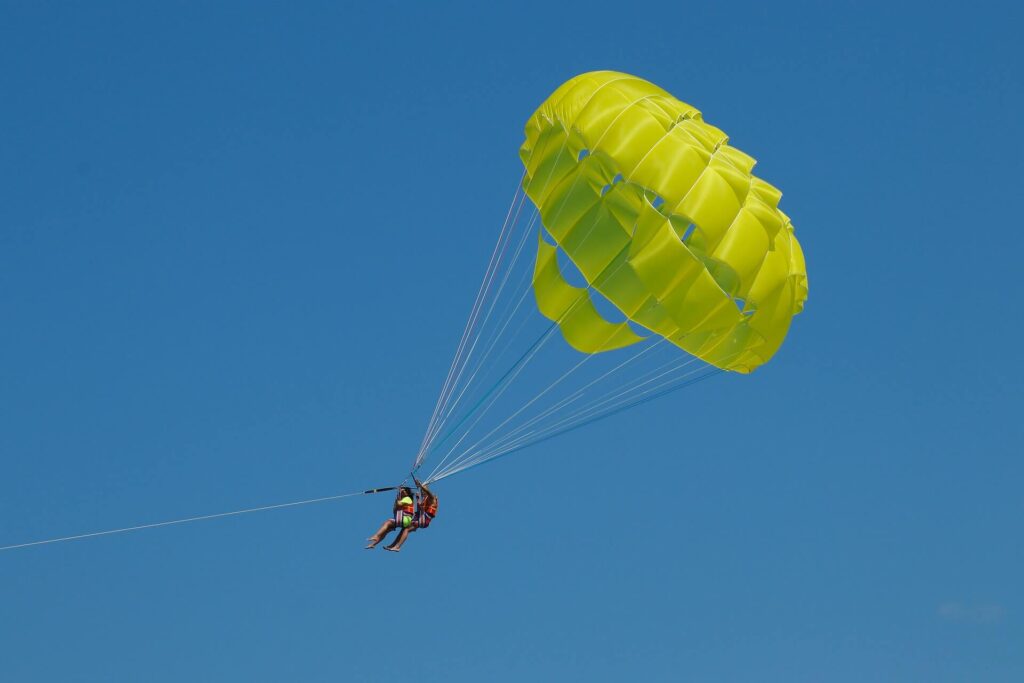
[{"x": 427, "y": 493}]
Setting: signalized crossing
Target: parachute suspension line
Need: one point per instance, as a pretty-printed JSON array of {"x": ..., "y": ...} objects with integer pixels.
[
  {"x": 470, "y": 457},
  {"x": 557, "y": 214},
  {"x": 586, "y": 236},
  {"x": 494, "y": 391},
  {"x": 529, "y": 403},
  {"x": 444, "y": 410},
  {"x": 500, "y": 386},
  {"x": 523, "y": 361},
  {"x": 506, "y": 315},
  {"x": 510, "y": 316},
  {"x": 482, "y": 444},
  {"x": 596, "y": 413},
  {"x": 532, "y": 353},
  {"x": 558, "y": 405},
  {"x": 581, "y": 415},
  {"x": 447, "y": 408},
  {"x": 568, "y": 428},
  {"x": 602, "y": 401},
  {"x": 480, "y": 416},
  {"x": 481, "y": 293},
  {"x": 450, "y": 409},
  {"x": 596, "y": 410},
  {"x": 526, "y": 319},
  {"x": 199, "y": 518},
  {"x": 469, "y": 330},
  {"x": 441, "y": 408},
  {"x": 497, "y": 389}
]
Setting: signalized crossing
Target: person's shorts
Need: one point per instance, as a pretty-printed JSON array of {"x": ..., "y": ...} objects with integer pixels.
[{"x": 403, "y": 520}]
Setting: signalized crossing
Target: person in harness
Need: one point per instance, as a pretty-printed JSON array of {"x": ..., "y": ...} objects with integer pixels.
[
  {"x": 403, "y": 512},
  {"x": 426, "y": 510}
]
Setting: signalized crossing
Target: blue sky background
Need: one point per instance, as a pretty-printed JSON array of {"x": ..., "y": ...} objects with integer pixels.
[{"x": 238, "y": 243}]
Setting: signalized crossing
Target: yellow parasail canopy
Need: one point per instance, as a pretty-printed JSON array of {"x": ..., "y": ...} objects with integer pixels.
[{"x": 664, "y": 219}]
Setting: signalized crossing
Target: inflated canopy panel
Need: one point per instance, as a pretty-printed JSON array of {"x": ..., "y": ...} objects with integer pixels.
[{"x": 662, "y": 218}]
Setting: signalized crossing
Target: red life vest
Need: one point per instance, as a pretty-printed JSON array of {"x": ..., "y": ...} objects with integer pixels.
[{"x": 426, "y": 514}]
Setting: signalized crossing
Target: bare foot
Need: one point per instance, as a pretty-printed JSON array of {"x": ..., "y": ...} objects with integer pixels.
[
  {"x": 371, "y": 546},
  {"x": 394, "y": 550}
]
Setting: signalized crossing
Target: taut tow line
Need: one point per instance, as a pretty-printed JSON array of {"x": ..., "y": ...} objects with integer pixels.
[{"x": 198, "y": 518}]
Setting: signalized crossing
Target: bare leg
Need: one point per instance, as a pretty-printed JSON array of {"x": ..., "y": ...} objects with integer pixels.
[
  {"x": 400, "y": 539},
  {"x": 385, "y": 529}
]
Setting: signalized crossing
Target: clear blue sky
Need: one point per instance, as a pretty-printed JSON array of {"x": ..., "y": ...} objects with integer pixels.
[{"x": 192, "y": 198}]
